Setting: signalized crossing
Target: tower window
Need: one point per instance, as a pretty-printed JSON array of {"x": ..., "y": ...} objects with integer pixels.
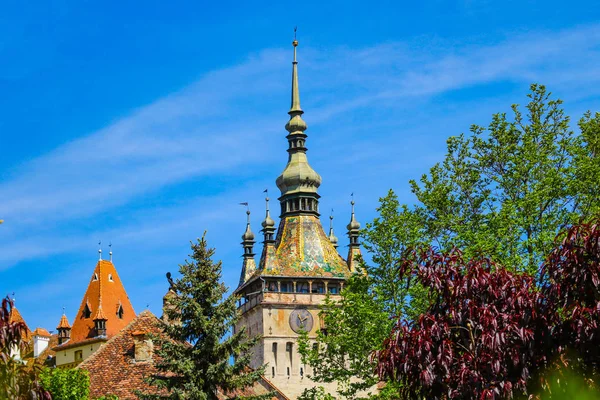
[
  {"x": 318, "y": 288},
  {"x": 87, "y": 312},
  {"x": 110, "y": 278},
  {"x": 120, "y": 312},
  {"x": 302, "y": 287},
  {"x": 273, "y": 372},
  {"x": 288, "y": 348},
  {"x": 95, "y": 278}
]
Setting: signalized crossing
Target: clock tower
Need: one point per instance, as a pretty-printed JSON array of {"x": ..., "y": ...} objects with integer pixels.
[{"x": 297, "y": 269}]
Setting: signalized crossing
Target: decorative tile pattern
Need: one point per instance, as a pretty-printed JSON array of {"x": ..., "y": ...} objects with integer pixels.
[{"x": 302, "y": 249}]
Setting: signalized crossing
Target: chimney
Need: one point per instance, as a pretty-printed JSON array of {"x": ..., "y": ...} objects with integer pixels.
[{"x": 41, "y": 339}]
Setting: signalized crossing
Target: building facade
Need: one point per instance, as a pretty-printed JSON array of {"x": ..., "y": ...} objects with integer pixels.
[{"x": 299, "y": 265}]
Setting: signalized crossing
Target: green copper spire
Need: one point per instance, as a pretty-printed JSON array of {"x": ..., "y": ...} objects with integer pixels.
[
  {"x": 268, "y": 225},
  {"x": 295, "y": 91},
  {"x": 298, "y": 182},
  {"x": 332, "y": 238}
]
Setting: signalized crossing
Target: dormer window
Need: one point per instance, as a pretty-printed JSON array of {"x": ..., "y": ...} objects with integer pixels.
[
  {"x": 100, "y": 325},
  {"x": 110, "y": 278},
  {"x": 120, "y": 312},
  {"x": 95, "y": 277},
  {"x": 87, "y": 312}
]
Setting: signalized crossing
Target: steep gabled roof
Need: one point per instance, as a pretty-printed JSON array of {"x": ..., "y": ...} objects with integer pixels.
[
  {"x": 15, "y": 316},
  {"x": 113, "y": 369},
  {"x": 105, "y": 294}
]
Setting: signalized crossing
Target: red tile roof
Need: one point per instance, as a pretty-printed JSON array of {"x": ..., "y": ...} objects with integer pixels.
[
  {"x": 105, "y": 289},
  {"x": 15, "y": 316},
  {"x": 41, "y": 332},
  {"x": 114, "y": 370},
  {"x": 64, "y": 322}
]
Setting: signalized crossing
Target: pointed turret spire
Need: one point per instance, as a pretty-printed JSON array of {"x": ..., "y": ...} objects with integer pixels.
[
  {"x": 268, "y": 224},
  {"x": 249, "y": 265},
  {"x": 353, "y": 233},
  {"x": 64, "y": 329},
  {"x": 248, "y": 237},
  {"x": 298, "y": 182},
  {"x": 332, "y": 238}
]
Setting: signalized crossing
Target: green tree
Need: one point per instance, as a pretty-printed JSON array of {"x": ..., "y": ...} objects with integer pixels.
[
  {"x": 341, "y": 353},
  {"x": 66, "y": 384},
  {"x": 507, "y": 190},
  {"x": 504, "y": 192},
  {"x": 200, "y": 357}
]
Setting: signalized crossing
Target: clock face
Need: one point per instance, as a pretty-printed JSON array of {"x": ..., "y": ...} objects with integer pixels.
[{"x": 301, "y": 320}]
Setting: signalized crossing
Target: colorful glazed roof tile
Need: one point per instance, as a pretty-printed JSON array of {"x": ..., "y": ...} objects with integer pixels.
[
  {"x": 105, "y": 289},
  {"x": 302, "y": 249}
]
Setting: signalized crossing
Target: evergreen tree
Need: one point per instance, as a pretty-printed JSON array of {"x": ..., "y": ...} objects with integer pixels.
[{"x": 198, "y": 356}]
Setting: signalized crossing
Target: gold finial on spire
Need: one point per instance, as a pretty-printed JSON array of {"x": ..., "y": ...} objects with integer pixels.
[{"x": 295, "y": 42}]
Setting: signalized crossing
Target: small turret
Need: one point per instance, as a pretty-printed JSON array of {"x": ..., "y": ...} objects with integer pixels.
[
  {"x": 354, "y": 246},
  {"x": 249, "y": 265},
  {"x": 268, "y": 225},
  {"x": 332, "y": 238},
  {"x": 100, "y": 322},
  {"x": 63, "y": 329}
]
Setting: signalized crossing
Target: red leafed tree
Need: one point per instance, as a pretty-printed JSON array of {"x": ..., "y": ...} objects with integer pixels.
[
  {"x": 571, "y": 279},
  {"x": 17, "y": 380},
  {"x": 478, "y": 338},
  {"x": 489, "y": 330}
]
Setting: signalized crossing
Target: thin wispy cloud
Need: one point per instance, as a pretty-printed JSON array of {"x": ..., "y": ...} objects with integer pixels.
[{"x": 228, "y": 121}]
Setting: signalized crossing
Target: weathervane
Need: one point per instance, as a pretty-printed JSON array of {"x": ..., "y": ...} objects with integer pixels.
[
  {"x": 110, "y": 250},
  {"x": 100, "y": 249}
]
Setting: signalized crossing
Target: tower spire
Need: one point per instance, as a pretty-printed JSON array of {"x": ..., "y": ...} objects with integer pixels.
[
  {"x": 268, "y": 224},
  {"x": 249, "y": 265},
  {"x": 298, "y": 182},
  {"x": 353, "y": 233},
  {"x": 295, "y": 107},
  {"x": 332, "y": 238}
]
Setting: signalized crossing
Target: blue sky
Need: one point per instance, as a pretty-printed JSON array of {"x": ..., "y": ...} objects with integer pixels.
[{"x": 144, "y": 124}]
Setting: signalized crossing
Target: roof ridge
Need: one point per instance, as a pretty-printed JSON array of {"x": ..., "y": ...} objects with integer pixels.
[{"x": 94, "y": 355}]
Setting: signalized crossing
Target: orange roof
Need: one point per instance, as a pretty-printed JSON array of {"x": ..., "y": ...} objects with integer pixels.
[
  {"x": 105, "y": 289},
  {"x": 100, "y": 314},
  {"x": 64, "y": 322},
  {"x": 41, "y": 332},
  {"x": 15, "y": 316},
  {"x": 113, "y": 370}
]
